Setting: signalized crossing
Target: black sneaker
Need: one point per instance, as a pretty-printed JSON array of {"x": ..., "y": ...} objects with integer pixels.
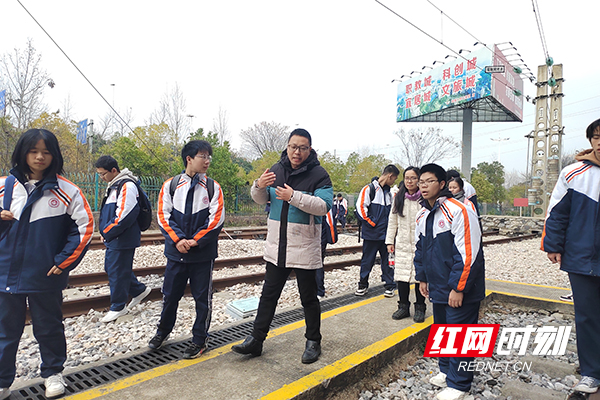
[
  {"x": 419, "y": 313},
  {"x": 194, "y": 350},
  {"x": 157, "y": 341}
]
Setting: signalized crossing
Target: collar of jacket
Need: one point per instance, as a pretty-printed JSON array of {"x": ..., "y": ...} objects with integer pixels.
[
  {"x": 588, "y": 155},
  {"x": 49, "y": 182},
  {"x": 460, "y": 196},
  {"x": 311, "y": 162},
  {"x": 444, "y": 194}
]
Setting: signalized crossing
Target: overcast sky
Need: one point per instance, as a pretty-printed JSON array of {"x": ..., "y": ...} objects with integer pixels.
[{"x": 323, "y": 65}]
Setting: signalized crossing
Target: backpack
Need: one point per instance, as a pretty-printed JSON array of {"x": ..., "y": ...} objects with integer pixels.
[
  {"x": 359, "y": 220},
  {"x": 210, "y": 186},
  {"x": 144, "y": 218},
  {"x": 9, "y": 185}
]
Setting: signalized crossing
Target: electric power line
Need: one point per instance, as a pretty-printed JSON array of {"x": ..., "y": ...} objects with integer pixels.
[{"x": 92, "y": 85}]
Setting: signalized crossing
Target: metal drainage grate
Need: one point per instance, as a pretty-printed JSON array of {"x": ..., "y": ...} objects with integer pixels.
[{"x": 114, "y": 370}]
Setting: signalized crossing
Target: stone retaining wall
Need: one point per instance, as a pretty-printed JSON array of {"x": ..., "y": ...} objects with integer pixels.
[{"x": 510, "y": 225}]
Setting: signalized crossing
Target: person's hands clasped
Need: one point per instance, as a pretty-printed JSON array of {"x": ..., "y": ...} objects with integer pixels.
[
  {"x": 6, "y": 215},
  {"x": 284, "y": 193},
  {"x": 184, "y": 245},
  {"x": 266, "y": 179}
]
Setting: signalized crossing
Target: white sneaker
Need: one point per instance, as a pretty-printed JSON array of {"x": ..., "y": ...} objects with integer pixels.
[
  {"x": 4, "y": 393},
  {"x": 112, "y": 315},
  {"x": 389, "y": 293},
  {"x": 138, "y": 299},
  {"x": 438, "y": 380},
  {"x": 451, "y": 394},
  {"x": 361, "y": 291},
  {"x": 55, "y": 385}
]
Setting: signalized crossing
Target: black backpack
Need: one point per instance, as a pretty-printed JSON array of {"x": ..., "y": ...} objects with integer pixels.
[
  {"x": 210, "y": 186},
  {"x": 359, "y": 220},
  {"x": 144, "y": 218}
]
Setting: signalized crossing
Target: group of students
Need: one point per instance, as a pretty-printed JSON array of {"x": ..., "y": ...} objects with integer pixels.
[
  {"x": 432, "y": 230},
  {"x": 431, "y": 225}
]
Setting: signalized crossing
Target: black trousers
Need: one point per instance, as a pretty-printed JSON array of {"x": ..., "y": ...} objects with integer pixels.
[
  {"x": 275, "y": 279},
  {"x": 404, "y": 293}
]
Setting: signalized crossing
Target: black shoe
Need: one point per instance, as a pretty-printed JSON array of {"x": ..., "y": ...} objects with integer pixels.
[
  {"x": 194, "y": 350},
  {"x": 312, "y": 352},
  {"x": 402, "y": 311},
  {"x": 157, "y": 341},
  {"x": 419, "y": 312},
  {"x": 250, "y": 346}
]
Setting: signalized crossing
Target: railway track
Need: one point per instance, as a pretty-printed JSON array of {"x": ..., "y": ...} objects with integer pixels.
[
  {"x": 82, "y": 306},
  {"x": 156, "y": 237}
]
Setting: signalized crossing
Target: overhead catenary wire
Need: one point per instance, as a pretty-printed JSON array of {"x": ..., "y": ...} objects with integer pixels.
[
  {"x": 538, "y": 19},
  {"x": 91, "y": 84}
]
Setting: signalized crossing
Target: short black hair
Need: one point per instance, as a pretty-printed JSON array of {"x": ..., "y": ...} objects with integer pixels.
[
  {"x": 107, "y": 162},
  {"x": 459, "y": 182},
  {"x": 452, "y": 173},
  {"x": 391, "y": 169},
  {"x": 593, "y": 127},
  {"x": 27, "y": 141},
  {"x": 301, "y": 132},
  {"x": 194, "y": 147},
  {"x": 438, "y": 171},
  {"x": 339, "y": 195}
]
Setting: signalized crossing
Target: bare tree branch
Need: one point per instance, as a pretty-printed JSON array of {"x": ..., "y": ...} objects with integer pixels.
[
  {"x": 25, "y": 80},
  {"x": 220, "y": 126},
  {"x": 172, "y": 111},
  {"x": 264, "y": 137},
  {"x": 424, "y": 146}
]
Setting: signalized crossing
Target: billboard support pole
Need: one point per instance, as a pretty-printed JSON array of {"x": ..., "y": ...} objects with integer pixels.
[{"x": 467, "y": 138}]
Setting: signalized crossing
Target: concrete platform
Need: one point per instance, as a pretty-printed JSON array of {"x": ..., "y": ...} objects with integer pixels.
[{"x": 358, "y": 339}]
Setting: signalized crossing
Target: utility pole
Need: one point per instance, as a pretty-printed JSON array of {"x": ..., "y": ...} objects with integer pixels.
[{"x": 547, "y": 137}]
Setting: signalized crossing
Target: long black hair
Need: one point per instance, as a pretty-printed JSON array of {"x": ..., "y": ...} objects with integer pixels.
[
  {"x": 398, "y": 205},
  {"x": 27, "y": 141}
]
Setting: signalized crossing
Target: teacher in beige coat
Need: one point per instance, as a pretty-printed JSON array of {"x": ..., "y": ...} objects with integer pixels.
[{"x": 400, "y": 240}]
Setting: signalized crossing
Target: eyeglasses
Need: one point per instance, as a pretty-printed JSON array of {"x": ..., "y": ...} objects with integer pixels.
[
  {"x": 204, "y": 157},
  {"x": 409, "y": 179},
  {"x": 427, "y": 183},
  {"x": 293, "y": 148},
  {"x": 102, "y": 174}
]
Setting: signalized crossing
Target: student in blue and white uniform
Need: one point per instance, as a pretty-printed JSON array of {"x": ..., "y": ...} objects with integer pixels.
[{"x": 46, "y": 225}]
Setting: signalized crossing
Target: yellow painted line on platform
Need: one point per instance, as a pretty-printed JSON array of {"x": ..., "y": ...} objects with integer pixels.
[
  {"x": 166, "y": 369},
  {"x": 528, "y": 284},
  {"x": 531, "y": 297},
  {"x": 318, "y": 377}
]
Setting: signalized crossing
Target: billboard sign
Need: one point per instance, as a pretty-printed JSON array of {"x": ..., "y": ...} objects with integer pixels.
[{"x": 460, "y": 81}]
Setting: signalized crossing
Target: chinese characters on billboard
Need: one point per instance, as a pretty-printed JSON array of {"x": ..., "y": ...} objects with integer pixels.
[{"x": 458, "y": 82}]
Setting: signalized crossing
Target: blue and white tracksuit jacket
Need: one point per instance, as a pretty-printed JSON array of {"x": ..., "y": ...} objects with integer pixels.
[
  {"x": 190, "y": 215},
  {"x": 374, "y": 213},
  {"x": 572, "y": 226},
  {"x": 53, "y": 226},
  {"x": 118, "y": 217},
  {"x": 448, "y": 252}
]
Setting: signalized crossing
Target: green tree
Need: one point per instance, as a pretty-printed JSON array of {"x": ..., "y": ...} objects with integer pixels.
[
  {"x": 336, "y": 170},
  {"x": 364, "y": 169},
  {"x": 494, "y": 174},
  {"x": 483, "y": 188}
]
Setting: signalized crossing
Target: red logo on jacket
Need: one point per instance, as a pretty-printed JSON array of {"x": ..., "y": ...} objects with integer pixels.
[{"x": 53, "y": 202}]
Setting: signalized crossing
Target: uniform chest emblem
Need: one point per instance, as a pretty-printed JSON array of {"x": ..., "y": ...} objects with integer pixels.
[
  {"x": 53, "y": 202},
  {"x": 205, "y": 200},
  {"x": 441, "y": 223}
]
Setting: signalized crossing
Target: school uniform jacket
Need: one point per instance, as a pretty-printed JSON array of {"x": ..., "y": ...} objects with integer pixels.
[
  {"x": 294, "y": 228},
  {"x": 448, "y": 252},
  {"x": 329, "y": 233},
  {"x": 374, "y": 213},
  {"x": 191, "y": 215},
  {"x": 53, "y": 226},
  {"x": 118, "y": 217},
  {"x": 572, "y": 226}
]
